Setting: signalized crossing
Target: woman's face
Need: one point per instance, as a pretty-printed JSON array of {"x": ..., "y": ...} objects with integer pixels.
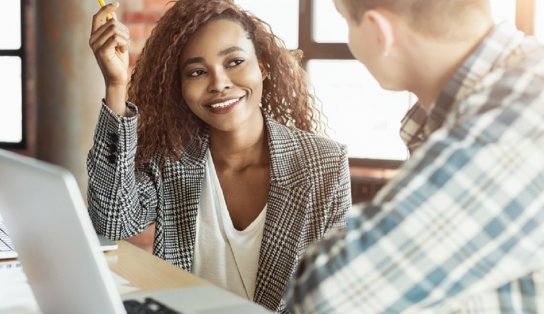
[{"x": 221, "y": 78}]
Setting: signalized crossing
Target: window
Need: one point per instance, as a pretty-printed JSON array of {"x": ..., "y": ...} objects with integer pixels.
[
  {"x": 282, "y": 15},
  {"x": 360, "y": 113},
  {"x": 12, "y": 125}
]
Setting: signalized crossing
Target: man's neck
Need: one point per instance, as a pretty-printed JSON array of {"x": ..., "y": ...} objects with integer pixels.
[{"x": 433, "y": 62}]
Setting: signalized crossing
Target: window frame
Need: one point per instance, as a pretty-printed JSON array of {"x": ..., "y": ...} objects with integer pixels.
[{"x": 21, "y": 53}]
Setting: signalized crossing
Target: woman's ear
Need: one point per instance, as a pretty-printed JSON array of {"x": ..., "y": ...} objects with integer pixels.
[{"x": 383, "y": 23}]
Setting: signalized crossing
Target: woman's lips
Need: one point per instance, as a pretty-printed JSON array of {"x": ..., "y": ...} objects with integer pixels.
[{"x": 225, "y": 106}]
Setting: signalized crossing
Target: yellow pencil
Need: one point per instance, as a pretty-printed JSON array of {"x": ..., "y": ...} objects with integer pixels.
[{"x": 101, "y": 2}]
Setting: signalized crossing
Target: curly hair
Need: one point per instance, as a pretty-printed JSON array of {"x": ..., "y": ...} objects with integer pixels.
[{"x": 166, "y": 124}]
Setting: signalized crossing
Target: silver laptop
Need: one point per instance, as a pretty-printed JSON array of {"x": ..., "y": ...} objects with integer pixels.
[
  {"x": 7, "y": 251},
  {"x": 42, "y": 207},
  {"x": 6, "y": 246}
]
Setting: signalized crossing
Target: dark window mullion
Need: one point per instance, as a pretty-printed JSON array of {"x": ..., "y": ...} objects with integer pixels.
[
  {"x": 335, "y": 51},
  {"x": 305, "y": 28},
  {"x": 312, "y": 49},
  {"x": 11, "y": 52},
  {"x": 22, "y": 51}
]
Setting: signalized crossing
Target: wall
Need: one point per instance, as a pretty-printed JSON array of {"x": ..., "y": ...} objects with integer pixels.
[
  {"x": 140, "y": 17},
  {"x": 68, "y": 85}
]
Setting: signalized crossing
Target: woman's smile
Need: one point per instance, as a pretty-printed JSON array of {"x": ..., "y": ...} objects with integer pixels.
[{"x": 224, "y": 105}]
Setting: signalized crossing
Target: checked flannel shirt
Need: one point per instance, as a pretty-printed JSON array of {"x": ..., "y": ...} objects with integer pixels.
[{"x": 460, "y": 229}]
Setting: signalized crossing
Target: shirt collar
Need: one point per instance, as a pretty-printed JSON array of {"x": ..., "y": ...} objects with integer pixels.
[{"x": 417, "y": 125}]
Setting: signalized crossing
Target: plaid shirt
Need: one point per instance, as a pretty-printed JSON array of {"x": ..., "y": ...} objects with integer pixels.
[{"x": 460, "y": 229}]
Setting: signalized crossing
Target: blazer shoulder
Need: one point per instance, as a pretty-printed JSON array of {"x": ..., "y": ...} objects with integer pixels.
[
  {"x": 308, "y": 145},
  {"x": 315, "y": 144}
]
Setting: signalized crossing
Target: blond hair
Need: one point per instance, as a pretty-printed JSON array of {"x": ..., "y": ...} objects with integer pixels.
[{"x": 431, "y": 17}]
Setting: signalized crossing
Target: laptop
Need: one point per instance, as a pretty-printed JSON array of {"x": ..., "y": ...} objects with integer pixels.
[
  {"x": 6, "y": 246},
  {"x": 7, "y": 251},
  {"x": 43, "y": 209}
]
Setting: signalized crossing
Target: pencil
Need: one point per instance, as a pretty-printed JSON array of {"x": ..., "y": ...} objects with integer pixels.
[{"x": 101, "y": 2}]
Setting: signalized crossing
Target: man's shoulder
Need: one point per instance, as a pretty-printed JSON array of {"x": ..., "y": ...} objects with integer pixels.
[{"x": 513, "y": 84}]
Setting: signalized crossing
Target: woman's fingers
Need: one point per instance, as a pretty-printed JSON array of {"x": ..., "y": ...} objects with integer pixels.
[
  {"x": 109, "y": 42},
  {"x": 101, "y": 15},
  {"x": 112, "y": 29},
  {"x": 115, "y": 42}
]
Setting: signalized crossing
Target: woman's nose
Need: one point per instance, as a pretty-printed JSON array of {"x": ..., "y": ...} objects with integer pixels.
[{"x": 219, "y": 81}]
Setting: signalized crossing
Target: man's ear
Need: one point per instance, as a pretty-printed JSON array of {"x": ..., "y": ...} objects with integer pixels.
[{"x": 383, "y": 24}]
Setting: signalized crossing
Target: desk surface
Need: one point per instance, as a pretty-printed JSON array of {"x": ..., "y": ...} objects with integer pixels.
[
  {"x": 141, "y": 269},
  {"x": 148, "y": 272}
]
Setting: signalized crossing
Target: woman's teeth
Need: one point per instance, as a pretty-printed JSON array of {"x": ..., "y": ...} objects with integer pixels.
[{"x": 224, "y": 104}]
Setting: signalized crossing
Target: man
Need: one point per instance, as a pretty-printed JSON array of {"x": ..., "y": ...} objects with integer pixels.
[{"x": 460, "y": 229}]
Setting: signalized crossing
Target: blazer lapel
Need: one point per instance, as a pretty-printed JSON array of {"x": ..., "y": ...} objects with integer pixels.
[{"x": 285, "y": 217}]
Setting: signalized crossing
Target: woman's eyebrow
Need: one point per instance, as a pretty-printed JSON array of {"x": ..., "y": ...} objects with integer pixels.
[
  {"x": 192, "y": 60},
  {"x": 229, "y": 50},
  {"x": 221, "y": 53}
]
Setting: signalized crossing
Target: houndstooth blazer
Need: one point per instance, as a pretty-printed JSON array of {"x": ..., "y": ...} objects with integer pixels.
[{"x": 309, "y": 194}]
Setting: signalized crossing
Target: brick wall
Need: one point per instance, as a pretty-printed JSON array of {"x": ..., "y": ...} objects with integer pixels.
[{"x": 140, "y": 17}]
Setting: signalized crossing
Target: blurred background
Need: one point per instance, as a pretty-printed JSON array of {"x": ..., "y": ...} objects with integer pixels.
[{"x": 51, "y": 86}]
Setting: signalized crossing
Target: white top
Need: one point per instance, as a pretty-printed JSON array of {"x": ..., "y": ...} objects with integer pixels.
[{"x": 223, "y": 255}]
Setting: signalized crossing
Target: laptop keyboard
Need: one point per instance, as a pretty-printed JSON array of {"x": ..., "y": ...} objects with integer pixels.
[
  {"x": 150, "y": 306},
  {"x": 5, "y": 241}
]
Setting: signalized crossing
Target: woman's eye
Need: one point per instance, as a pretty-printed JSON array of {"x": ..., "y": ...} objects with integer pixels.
[
  {"x": 196, "y": 73},
  {"x": 235, "y": 62}
]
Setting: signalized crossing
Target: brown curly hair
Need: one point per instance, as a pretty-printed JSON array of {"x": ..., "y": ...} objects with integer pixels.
[{"x": 166, "y": 124}]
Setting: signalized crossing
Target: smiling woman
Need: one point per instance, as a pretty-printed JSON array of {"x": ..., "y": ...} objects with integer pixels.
[
  {"x": 222, "y": 76},
  {"x": 216, "y": 146}
]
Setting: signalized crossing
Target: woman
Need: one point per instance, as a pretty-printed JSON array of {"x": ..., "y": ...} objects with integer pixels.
[{"x": 215, "y": 147}]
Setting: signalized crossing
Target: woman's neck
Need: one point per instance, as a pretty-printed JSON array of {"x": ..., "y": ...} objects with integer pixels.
[{"x": 238, "y": 149}]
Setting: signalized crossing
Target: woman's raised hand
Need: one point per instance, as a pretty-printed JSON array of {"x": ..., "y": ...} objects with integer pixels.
[{"x": 109, "y": 42}]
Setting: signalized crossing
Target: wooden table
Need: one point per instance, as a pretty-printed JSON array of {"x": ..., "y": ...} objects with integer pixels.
[{"x": 146, "y": 271}]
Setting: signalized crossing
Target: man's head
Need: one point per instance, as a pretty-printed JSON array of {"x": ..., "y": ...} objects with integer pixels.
[
  {"x": 413, "y": 44},
  {"x": 441, "y": 18}
]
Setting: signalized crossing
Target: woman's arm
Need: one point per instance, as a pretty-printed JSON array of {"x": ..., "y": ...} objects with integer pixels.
[
  {"x": 109, "y": 42},
  {"x": 122, "y": 201}
]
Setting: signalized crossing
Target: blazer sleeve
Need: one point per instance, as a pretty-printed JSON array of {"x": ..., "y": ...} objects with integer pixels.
[
  {"x": 121, "y": 200},
  {"x": 341, "y": 199}
]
